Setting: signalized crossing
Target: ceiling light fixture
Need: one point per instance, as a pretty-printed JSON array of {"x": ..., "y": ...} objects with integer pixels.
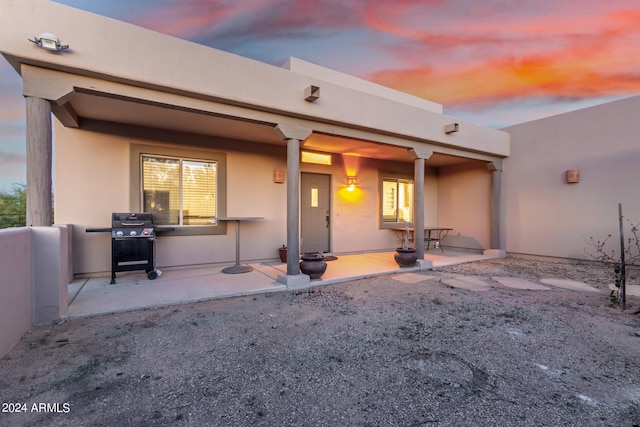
[{"x": 48, "y": 41}]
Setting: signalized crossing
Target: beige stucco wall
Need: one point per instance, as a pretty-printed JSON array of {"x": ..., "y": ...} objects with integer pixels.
[
  {"x": 34, "y": 262},
  {"x": 251, "y": 192},
  {"x": 464, "y": 195},
  {"x": 355, "y": 217},
  {"x": 543, "y": 214},
  {"x": 323, "y": 74},
  {"x": 92, "y": 181},
  {"x": 15, "y": 286},
  {"x": 87, "y": 189},
  {"x": 50, "y": 276}
]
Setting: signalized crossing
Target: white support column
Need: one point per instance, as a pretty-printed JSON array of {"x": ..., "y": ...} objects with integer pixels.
[
  {"x": 293, "y": 136},
  {"x": 419, "y": 157},
  {"x": 496, "y": 192},
  {"x": 39, "y": 190}
]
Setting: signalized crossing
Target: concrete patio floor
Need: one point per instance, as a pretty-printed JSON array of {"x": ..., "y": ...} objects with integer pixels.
[{"x": 133, "y": 291}]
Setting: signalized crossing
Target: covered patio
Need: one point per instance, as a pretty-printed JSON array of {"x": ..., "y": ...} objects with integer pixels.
[
  {"x": 392, "y": 159},
  {"x": 95, "y": 296}
]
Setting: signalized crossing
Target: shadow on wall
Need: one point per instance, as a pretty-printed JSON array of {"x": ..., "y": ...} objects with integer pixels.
[{"x": 462, "y": 242}]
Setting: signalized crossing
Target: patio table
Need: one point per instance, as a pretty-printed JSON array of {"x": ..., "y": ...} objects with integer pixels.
[
  {"x": 237, "y": 267},
  {"x": 432, "y": 234}
]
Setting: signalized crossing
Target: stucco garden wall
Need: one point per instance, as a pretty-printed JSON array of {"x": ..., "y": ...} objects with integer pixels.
[
  {"x": 15, "y": 286},
  {"x": 544, "y": 215},
  {"x": 35, "y": 270}
]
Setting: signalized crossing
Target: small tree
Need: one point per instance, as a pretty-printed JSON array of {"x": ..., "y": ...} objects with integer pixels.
[
  {"x": 13, "y": 207},
  {"x": 627, "y": 255}
]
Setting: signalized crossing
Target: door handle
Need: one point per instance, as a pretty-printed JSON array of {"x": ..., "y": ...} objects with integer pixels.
[{"x": 327, "y": 218}]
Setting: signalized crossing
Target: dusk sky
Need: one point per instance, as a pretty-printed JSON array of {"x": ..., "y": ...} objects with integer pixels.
[{"x": 492, "y": 62}]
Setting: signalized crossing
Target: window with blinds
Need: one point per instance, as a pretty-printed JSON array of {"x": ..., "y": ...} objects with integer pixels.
[
  {"x": 397, "y": 200},
  {"x": 179, "y": 191}
]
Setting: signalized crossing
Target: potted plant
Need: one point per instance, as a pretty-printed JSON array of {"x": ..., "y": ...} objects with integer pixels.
[
  {"x": 406, "y": 256},
  {"x": 313, "y": 264},
  {"x": 283, "y": 253}
]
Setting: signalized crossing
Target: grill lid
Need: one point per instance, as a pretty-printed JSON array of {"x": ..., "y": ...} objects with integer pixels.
[
  {"x": 132, "y": 225},
  {"x": 131, "y": 220}
]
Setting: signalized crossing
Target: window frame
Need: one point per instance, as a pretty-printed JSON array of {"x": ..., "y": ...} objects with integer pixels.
[
  {"x": 136, "y": 191},
  {"x": 398, "y": 177}
]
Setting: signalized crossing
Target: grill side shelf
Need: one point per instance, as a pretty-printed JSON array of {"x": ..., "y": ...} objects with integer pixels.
[
  {"x": 98, "y": 230},
  {"x": 163, "y": 229}
]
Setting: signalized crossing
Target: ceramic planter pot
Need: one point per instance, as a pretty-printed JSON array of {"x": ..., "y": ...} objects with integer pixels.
[
  {"x": 406, "y": 257},
  {"x": 313, "y": 264},
  {"x": 283, "y": 253}
]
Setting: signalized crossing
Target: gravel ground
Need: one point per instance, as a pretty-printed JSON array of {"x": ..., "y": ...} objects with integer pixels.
[{"x": 400, "y": 350}]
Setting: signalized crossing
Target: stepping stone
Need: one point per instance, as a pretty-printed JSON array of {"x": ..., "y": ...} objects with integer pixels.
[
  {"x": 467, "y": 282},
  {"x": 412, "y": 277},
  {"x": 517, "y": 283},
  {"x": 569, "y": 284}
]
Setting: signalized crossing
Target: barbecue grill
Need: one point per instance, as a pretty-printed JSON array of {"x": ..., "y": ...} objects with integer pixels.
[{"x": 133, "y": 238}]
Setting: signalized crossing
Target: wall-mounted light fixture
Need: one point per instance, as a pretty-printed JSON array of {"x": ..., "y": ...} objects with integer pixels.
[
  {"x": 352, "y": 183},
  {"x": 572, "y": 176},
  {"x": 278, "y": 176},
  {"x": 451, "y": 128},
  {"x": 311, "y": 93},
  {"x": 48, "y": 41}
]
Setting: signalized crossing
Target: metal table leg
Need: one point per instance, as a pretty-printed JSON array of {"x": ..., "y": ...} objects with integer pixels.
[{"x": 237, "y": 268}]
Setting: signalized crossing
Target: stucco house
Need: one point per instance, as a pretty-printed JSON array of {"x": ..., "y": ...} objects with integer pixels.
[
  {"x": 130, "y": 103},
  {"x": 147, "y": 122},
  {"x": 129, "y": 120}
]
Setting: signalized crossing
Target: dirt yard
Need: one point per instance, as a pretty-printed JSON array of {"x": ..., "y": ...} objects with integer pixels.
[{"x": 405, "y": 350}]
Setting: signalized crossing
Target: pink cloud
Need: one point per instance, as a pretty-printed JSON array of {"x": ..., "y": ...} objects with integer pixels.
[
  {"x": 590, "y": 52},
  {"x": 11, "y": 112},
  {"x": 184, "y": 19},
  {"x": 457, "y": 52},
  {"x": 12, "y": 160},
  {"x": 12, "y": 116},
  {"x": 198, "y": 17},
  {"x": 572, "y": 76}
]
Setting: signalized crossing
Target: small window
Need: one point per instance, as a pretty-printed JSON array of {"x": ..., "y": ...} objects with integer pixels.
[
  {"x": 179, "y": 191},
  {"x": 317, "y": 158},
  {"x": 397, "y": 200}
]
